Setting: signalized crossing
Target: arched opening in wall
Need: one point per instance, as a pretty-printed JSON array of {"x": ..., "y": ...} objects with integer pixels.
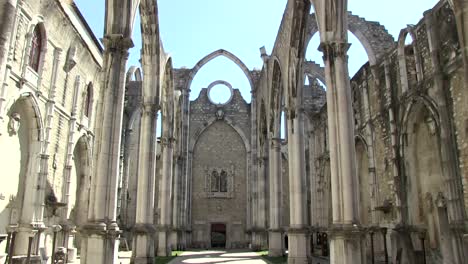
[
  {"x": 283, "y": 126},
  {"x": 89, "y": 100},
  {"x": 135, "y": 52},
  {"x": 408, "y": 59},
  {"x": 19, "y": 161},
  {"x": 78, "y": 192},
  {"x": 423, "y": 173},
  {"x": 221, "y": 68},
  {"x": 409, "y": 40},
  {"x": 362, "y": 170},
  {"x": 37, "y": 47},
  {"x": 356, "y": 53},
  {"x": 220, "y": 94},
  {"x": 219, "y": 185}
]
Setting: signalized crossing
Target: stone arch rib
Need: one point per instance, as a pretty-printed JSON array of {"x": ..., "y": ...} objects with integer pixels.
[
  {"x": 373, "y": 36},
  {"x": 214, "y": 55},
  {"x": 314, "y": 70}
]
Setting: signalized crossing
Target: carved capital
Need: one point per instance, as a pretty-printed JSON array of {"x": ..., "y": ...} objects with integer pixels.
[
  {"x": 333, "y": 50},
  {"x": 276, "y": 143},
  {"x": 149, "y": 109},
  {"x": 167, "y": 142},
  {"x": 117, "y": 43}
]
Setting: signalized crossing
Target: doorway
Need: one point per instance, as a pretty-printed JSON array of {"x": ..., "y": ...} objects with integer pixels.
[{"x": 218, "y": 235}]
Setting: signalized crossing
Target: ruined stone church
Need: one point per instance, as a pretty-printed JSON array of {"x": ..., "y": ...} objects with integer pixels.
[{"x": 371, "y": 168}]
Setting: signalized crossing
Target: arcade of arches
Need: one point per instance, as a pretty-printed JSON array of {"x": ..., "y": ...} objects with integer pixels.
[{"x": 369, "y": 169}]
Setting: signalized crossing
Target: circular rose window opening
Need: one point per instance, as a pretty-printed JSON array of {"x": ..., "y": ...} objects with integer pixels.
[{"x": 220, "y": 94}]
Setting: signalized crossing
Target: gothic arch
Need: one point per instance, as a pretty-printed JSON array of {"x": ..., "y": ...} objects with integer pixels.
[
  {"x": 214, "y": 55},
  {"x": 314, "y": 71},
  {"x": 37, "y": 22},
  {"x": 430, "y": 105},
  {"x": 120, "y": 17},
  {"x": 24, "y": 136},
  {"x": 373, "y": 36},
  {"x": 402, "y": 60},
  {"x": 218, "y": 82},
  {"x": 134, "y": 74},
  {"x": 34, "y": 109},
  {"x": 167, "y": 100},
  {"x": 211, "y": 121},
  {"x": 276, "y": 99}
]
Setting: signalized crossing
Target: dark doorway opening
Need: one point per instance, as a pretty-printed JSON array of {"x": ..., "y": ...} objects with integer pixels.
[{"x": 218, "y": 235}]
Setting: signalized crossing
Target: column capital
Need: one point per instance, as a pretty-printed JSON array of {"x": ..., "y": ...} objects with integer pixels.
[
  {"x": 143, "y": 229},
  {"x": 149, "y": 109},
  {"x": 276, "y": 143},
  {"x": 346, "y": 231},
  {"x": 117, "y": 43},
  {"x": 167, "y": 142},
  {"x": 333, "y": 50}
]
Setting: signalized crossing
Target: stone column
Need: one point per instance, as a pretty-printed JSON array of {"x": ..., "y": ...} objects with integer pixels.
[
  {"x": 252, "y": 177},
  {"x": 346, "y": 234},
  {"x": 100, "y": 244},
  {"x": 298, "y": 230},
  {"x": 143, "y": 237},
  {"x": 184, "y": 214},
  {"x": 275, "y": 240},
  {"x": 259, "y": 232},
  {"x": 164, "y": 247},
  {"x": 175, "y": 238}
]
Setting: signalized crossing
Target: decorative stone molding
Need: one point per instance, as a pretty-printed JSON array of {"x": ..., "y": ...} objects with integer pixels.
[
  {"x": 333, "y": 50},
  {"x": 219, "y": 182},
  {"x": 14, "y": 124},
  {"x": 117, "y": 43}
]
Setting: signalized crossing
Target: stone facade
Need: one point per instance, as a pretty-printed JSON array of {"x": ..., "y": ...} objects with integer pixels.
[
  {"x": 372, "y": 167},
  {"x": 47, "y": 114}
]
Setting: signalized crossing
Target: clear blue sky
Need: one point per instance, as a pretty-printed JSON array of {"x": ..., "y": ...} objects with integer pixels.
[{"x": 192, "y": 29}]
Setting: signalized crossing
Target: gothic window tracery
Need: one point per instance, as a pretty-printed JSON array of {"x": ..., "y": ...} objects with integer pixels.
[{"x": 219, "y": 182}]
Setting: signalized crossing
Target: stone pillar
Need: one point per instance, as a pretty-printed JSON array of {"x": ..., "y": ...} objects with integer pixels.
[
  {"x": 143, "y": 237},
  {"x": 100, "y": 244},
  {"x": 299, "y": 242},
  {"x": 346, "y": 240},
  {"x": 252, "y": 177},
  {"x": 259, "y": 232},
  {"x": 175, "y": 236},
  {"x": 275, "y": 240},
  {"x": 164, "y": 247},
  {"x": 185, "y": 206}
]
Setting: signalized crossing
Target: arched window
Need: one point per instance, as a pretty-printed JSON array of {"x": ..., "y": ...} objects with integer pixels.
[
  {"x": 223, "y": 182},
  {"x": 215, "y": 182},
  {"x": 36, "y": 49},
  {"x": 89, "y": 100}
]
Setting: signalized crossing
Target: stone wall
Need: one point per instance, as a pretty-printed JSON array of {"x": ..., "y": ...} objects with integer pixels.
[
  {"x": 55, "y": 137},
  {"x": 219, "y": 136}
]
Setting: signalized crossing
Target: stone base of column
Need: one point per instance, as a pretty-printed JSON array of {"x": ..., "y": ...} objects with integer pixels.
[
  {"x": 298, "y": 246},
  {"x": 100, "y": 244},
  {"x": 164, "y": 249},
  {"x": 346, "y": 245},
  {"x": 259, "y": 240},
  {"x": 143, "y": 244},
  {"x": 174, "y": 240},
  {"x": 275, "y": 243}
]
